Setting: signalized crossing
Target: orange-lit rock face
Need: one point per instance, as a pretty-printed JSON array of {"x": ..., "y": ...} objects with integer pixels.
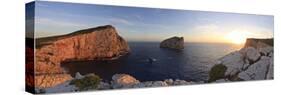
[{"x": 101, "y": 43}]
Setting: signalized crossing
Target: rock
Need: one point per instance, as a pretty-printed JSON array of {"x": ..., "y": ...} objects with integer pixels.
[
  {"x": 64, "y": 87},
  {"x": 147, "y": 83},
  {"x": 50, "y": 80},
  {"x": 173, "y": 43},
  {"x": 253, "y": 62},
  {"x": 181, "y": 82},
  {"x": 257, "y": 71},
  {"x": 140, "y": 85},
  {"x": 159, "y": 83},
  {"x": 265, "y": 51},
  {"x": 123, "y": 81},
  {"x": 234, "y": 63},
  {"x": 270, "y": 70},
  {"x": 104, "y": 86},
  {"x": 258, "y": 43},
  {"x": 78, "y": 76},
  {"x": 252, "y": 54},
  {"x": 100, "y": 43},
  {"x": 221, "y": 80},
  {"x": 270, "y": 54},
  {"x": 169, "y": 81}
]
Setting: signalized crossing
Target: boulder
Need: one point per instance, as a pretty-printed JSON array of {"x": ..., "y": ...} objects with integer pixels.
[
  {"x": 123, "y": 81},
  {"x": 257, "y": 71},
  {"x": 78, "y": 76},
  {"x": 104, "y": 86},
  {"x": 173, "y": 43},
  {"x": 252, "y": 54},
  {"x": 169, "y": 81},
  {"x": 159, "y": 83}
]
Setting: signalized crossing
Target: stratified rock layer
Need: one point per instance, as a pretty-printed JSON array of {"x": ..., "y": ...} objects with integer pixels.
[
  {"x": 253, "y": 62},
  {"x": 100, "y": 43},
  {"x": 173, "y": 43}
]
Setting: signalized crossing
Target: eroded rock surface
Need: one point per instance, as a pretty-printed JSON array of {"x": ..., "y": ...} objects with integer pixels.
[
  {"x": 100, "y": 43},
  {"x": 119, "y": 81},
  {"x": 253, "y": 62},
  {"x": 123, "y": 81}
]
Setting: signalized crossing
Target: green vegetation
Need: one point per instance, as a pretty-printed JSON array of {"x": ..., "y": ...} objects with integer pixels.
[
  {"x": 217, "y": 72},
  {"x": 88, "y": 82}
]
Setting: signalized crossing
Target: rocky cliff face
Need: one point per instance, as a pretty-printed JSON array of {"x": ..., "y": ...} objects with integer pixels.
[
  {"x": 253, "y": 62},
  {"x": 173, "y": 43},
  {"x": 258, "y": 43},
  {"x": 100, "y": 43}
]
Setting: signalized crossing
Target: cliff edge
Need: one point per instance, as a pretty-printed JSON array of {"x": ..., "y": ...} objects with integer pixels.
[{"x": 99, "y": 43}]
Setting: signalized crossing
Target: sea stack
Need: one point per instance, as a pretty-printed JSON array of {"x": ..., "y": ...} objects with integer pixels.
[
  {"x": 173, "y": 43},
  {"x": 99, "y": 43}
]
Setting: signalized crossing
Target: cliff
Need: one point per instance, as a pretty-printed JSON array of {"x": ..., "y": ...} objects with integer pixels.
[
  {"x": 253, "y": 62},
  {"x": 256, "y": 43},
  {"x": 173, "y": 43},
  {"x": 100, "y": 43}
]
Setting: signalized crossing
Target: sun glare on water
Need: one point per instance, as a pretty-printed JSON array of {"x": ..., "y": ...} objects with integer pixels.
[{"x": 237, "y": 37}]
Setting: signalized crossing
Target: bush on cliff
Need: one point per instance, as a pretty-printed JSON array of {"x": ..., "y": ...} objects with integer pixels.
[
  {"x": 88, "y": 82},
  {"x": 217, "y": 72}
]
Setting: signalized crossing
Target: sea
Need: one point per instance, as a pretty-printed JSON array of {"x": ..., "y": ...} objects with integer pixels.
[{"x": 148, "y": 62}]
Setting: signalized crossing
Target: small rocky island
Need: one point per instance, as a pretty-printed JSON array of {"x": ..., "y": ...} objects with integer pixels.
[
  {"x": 99, "y": 43},
  {"x": 253, "y": 62},
  {"x": 173, "y": 43}
]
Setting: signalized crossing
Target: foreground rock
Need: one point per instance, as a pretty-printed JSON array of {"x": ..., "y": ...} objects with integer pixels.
[
  {"x": 173, "y": 43},
  {"x": 100, "y": 43},
  {"x": 253, "y": 62},
  {"x": 123, "y": 81},
  {"x": 119, "y": 81}
]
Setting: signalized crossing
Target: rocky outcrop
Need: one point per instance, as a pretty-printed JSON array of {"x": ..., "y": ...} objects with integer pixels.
[
  {"x": 258, "y": 43},
  {"x": 173, "y": 43},
  {"x": 119, "y": 81},
  {"x": 123, "y": 81},
  {"x": 253, "y": 62},
  {"x": 100, "y": 43}
]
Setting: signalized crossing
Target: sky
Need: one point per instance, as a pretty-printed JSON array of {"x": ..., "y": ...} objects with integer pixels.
[{"x": 151, "y": 24}]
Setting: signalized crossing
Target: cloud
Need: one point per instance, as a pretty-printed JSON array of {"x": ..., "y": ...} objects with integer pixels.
[
  {"x": 120, "y": 21},
  {"x": 58, "y": 23}
]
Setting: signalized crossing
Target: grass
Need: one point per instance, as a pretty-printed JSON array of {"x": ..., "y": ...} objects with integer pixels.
[
  {"x": 87, "y": 83},
  {"x": 217, "y": 72}
]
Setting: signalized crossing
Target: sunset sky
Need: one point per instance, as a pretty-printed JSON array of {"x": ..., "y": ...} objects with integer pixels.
[{"x": 149, "y": 24}]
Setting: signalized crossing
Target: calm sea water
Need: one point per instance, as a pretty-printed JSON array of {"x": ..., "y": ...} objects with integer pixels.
[{"x": 191, "y": 63}]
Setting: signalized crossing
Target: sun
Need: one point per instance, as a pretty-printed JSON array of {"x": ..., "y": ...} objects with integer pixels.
[{"x": 237, "y": 37}]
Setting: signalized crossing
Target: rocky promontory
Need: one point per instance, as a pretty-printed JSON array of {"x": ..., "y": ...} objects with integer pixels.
[
  {"x": 99, "y": 43},
  {"x": 253, "y": 62},
  {"x": 173, "y": 43}
]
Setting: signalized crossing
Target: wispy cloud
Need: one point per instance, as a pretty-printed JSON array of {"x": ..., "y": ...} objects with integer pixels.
[
  {"x": 119, "y": 21},
  {"x": 58, "y": 23}
]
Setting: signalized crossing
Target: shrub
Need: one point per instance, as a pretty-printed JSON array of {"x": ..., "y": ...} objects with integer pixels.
[
  {"x": 217, "y": 72},
  {"x": 87, "y": 83}
]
